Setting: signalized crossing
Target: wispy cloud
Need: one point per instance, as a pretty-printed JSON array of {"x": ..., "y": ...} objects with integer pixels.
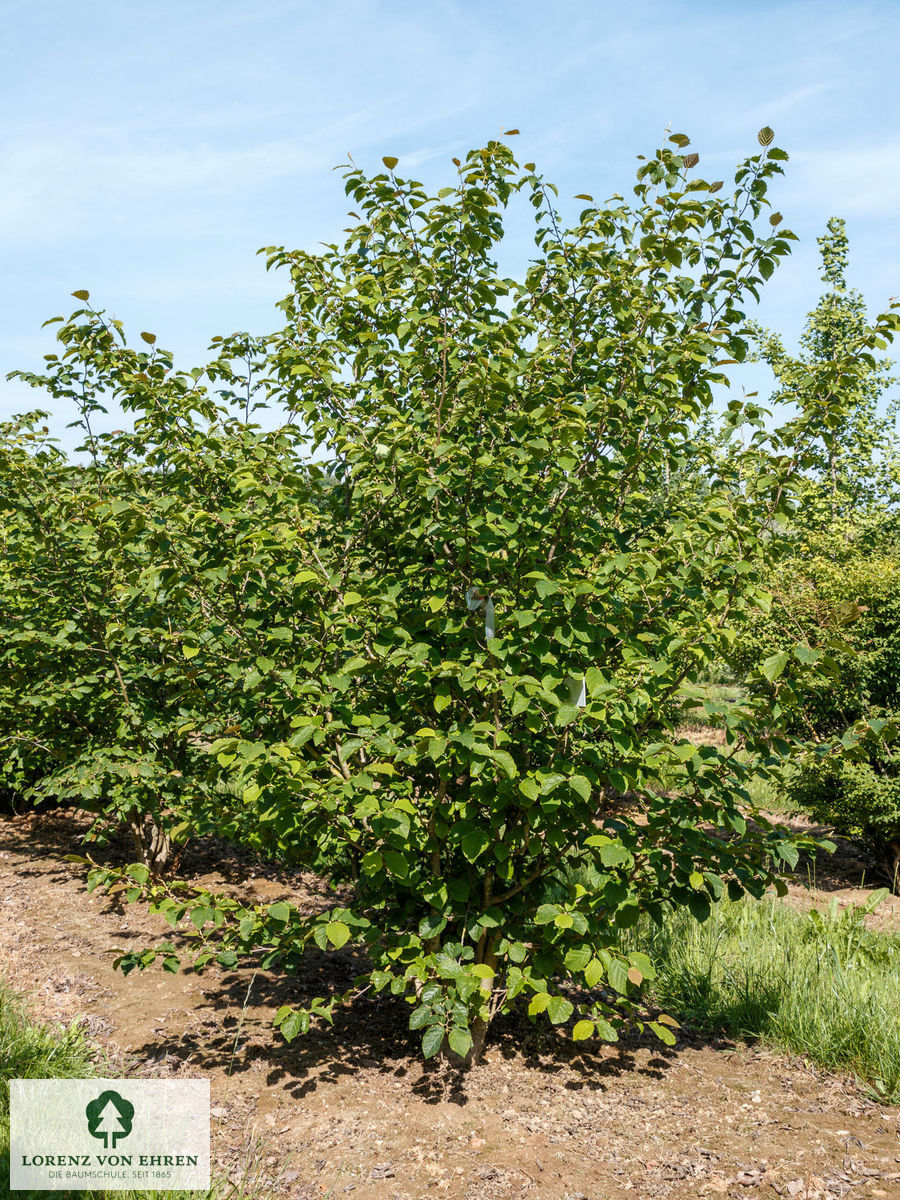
[
  {"x": 796, "y": 98},
  {"x": 859, "y": 181}
]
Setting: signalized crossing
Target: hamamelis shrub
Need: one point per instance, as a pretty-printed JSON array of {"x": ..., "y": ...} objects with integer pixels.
[
  {"x": 501, "y": 600},
  {"x": 87, "y": 696},
  {"x": 105, "y": 700}
]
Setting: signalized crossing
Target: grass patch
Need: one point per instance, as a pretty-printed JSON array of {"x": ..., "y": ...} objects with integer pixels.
[
  {"x": 821, "y": 985},
  {"x": 693, "y": 713},
  {"x": 30, "y": 1050},
  {"x": 767, "y": 795}
]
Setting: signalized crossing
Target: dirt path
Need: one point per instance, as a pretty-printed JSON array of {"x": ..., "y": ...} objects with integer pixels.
[{"x": 352, "y": 1111}]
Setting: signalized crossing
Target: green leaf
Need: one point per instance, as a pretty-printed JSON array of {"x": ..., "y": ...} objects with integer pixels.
[
  {"x": 149, "y": 338},
  {"x": 474, "y": 844},
  {"x": 483, "y": 971},
  {"x": 200, "y": 915},
  {"x": 577, "y": 959},
  {"x": 507, "y": 762},
  {"x": 396, "y": 863},
  {"x": 371, "y": 862},
  {"x": 390, "y": 162},
  {"x": 628, "y": 915},
  {"x": 338, "y": 933},
  {"x": 788, "y": 853},
  {"x": 431, "y": 925},
  {"x": 529, "y": 789},
  {"x": 546, "y": 913},
  {"x": 582, "y": 1030},
  {"x": 290, "y": 1026},
  {"x": 566, "y": 714},
  {"x": 432, "y": 1040},
  {"x": 643, "y": 964},
  {"x": 614, "y": 855},
  {"x": 538, "y": 1004},
  {"x": 593, "y": 972},
  {"x": 582, "y": 786},
  {"x": 422, "y": 1016},
  {"x": 559, "y": 1010},
  {"x": 664, "y": 1034},
  {"x": 617, "y": 974},
  {"x": 773, "y": 666},
  {"x": 460, "y": 1041}
]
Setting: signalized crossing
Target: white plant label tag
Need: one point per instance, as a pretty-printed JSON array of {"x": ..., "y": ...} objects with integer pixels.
[
  {"x": 578, "y": 691},
  {"x": 475, "y": 597}
]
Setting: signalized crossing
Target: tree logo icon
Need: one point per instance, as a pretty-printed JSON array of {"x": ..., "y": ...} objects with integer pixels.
[{"x": 109, "y": 1117}]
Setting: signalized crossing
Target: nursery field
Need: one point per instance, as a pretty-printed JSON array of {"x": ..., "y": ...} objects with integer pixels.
[{"x": 353, "y": 1111}]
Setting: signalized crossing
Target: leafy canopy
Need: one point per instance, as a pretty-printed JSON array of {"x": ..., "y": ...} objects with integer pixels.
[{"x": 451, "y": 625}]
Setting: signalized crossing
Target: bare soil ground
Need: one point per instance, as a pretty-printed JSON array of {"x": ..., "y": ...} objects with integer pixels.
[{"x": 352, "y": 1111}]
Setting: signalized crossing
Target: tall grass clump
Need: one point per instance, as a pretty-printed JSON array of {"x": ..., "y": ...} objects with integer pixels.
[
  {"x": 819, "y": 984},
  {"x": 30, "y": 1050}
]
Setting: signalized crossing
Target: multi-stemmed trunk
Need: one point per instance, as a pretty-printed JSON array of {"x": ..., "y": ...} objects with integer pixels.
[{"x": 152, "y": 843}]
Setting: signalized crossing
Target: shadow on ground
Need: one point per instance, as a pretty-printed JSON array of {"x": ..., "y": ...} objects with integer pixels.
[
  {"x": 373, "y": 1033},
  {"x": 230, "y": 1031}
]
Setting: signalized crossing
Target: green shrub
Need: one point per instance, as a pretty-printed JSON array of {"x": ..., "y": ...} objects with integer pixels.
[
  {"x": 500, "y": 608},
  {"x": 843, "y": 595},
  {"x": 104, "y": 697},
  {"x": 860, "y": 799},
  {"x": 443, "y": 621}
]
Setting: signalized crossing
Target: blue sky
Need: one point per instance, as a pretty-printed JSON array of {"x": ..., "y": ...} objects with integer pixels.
[{"x": 149, "y": 150}]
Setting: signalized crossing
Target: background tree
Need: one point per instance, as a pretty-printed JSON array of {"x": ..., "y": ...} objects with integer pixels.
[
  {"x": 836, "y": 578},
  {"x": 857, "y": 470}
]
